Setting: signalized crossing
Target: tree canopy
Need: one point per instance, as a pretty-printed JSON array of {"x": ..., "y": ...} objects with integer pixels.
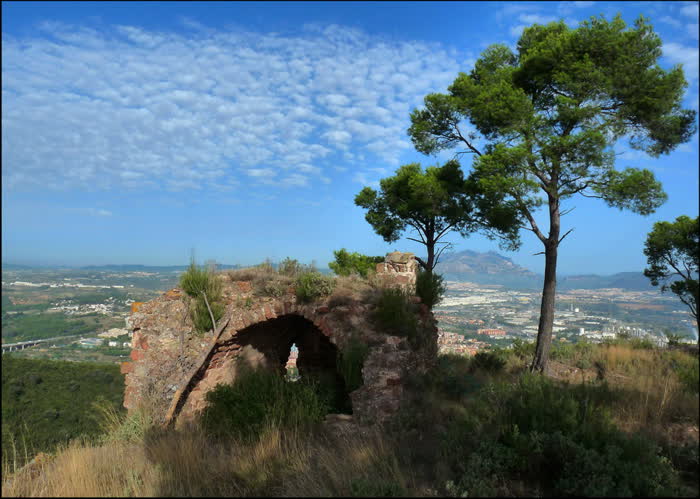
[
  {"x": 673, "y": 251},
  {"x": 347, "y": 263},
  {"x": 542, "y": 122},
  {"x": 432, "y": 203}
]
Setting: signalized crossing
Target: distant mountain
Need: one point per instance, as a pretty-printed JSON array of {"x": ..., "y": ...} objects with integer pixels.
[
  {"x": 14, "y": 266},
  {"x": 474, "y": 262},
  {"x": 149, "y": 268},
  {"x": 492, "y": 268},
  {"x": 633, "y": 281}
]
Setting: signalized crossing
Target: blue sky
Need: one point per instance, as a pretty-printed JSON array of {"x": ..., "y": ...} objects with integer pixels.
[{"x": 135, "y": 132}]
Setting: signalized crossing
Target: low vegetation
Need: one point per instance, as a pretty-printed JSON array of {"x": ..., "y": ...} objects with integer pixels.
[
  {"x": 430, "y": 287},
  {"x": 203, "y": 287},
  {"x": 47, "y": 403},
  {"x": 347, "y": 263},
  {"x": 313, "y": 285},
  {"x": 350, "y": 362},
  {"x": 261, "y": 399}
]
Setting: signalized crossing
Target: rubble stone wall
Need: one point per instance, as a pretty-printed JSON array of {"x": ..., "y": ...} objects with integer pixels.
[{"x": 260, "y": 330}]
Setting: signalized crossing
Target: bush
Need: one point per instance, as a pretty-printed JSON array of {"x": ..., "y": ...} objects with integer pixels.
[
  {"x": 313, "y": 285},
  {"x": 491, "y": 361},
  {"x": 350, "y": 362},
  {"x": 258, "y": 399},
  {"x": 198, "y": 282},
  {"x": 557, "y": 439},
  {"x": 430, "y": 288},
  {"x": 688, "y": 373},
  {"x": 353, "y": 263},
  {"x": 523, "y": 349},
  {"x": 394, "y": 313},
  {"x": 290, "y": 267}
]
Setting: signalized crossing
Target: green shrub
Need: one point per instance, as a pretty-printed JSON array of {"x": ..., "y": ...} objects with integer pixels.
[
  {"x": 491, "y": 361},
  {"x": 394, "y": 313},
  {"x": 199, "y": 314},
  {"x": 642, "y": 344},
  {"x": 452, "y": 376},
  {"x": 688, "y": 373},
  {"x": 430, "y": 287},
  {"x": 363, "y": 487},
  {"x": 199, "y": 282},
  {"x": 523, "y": 349},
  {"x": 353, "y": 263},
  {"x": 258, "y": 399},
  {"x": 313, "y": 285},
  {"x": 290, "y": 267},
  {"x": 350, "y": 362},
  {"x": 555, "y": 438}
]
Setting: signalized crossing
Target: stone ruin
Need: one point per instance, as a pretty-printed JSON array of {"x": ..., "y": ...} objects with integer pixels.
[{"x": 172, "y": 368}]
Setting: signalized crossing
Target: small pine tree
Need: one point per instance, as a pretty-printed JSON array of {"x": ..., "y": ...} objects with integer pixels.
[{"x": 203, "y": 287}]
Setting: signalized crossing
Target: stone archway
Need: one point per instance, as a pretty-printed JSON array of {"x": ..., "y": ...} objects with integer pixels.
[
  {"x": 172, "y": 368},
  {"x": 267, "y": 344}
]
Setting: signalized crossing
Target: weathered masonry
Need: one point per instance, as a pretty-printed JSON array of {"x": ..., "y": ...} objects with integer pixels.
[{"x": 172, "y": 368}]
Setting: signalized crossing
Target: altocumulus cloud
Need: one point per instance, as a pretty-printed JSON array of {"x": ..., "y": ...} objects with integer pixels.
[{"x": 130, "y": 108}]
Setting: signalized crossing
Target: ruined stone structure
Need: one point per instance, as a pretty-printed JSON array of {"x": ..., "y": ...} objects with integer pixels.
[{"x": 172, "y": 368}]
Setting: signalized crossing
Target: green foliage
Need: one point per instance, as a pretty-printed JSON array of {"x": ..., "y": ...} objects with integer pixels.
[
  {"x": 290, "y": 267},
  {"x": 394, "y": 313},
  {"x": 313, "y": 285},
  {"x": 491, "y": 361},
  {"x": 688, "y": 373},
  {"x": 523, "y": 349},
  {"x": 550, "y": 114},
  {"x": 363, "y": 487},
  {"x": 350, "y": 361},
  {"x": 258, "y": 399},
  {"x": 430, "y": 288},
  {"x": 671, "y": 249},
  {"x": 558, "y": 439},
  {"x": 433, "y": 202},
  {"x": 353, "y": 263},
  {"x": 202, "y": 285},
  {"x": 48, "y": 403},
  {"x": 21, "y": 327}
]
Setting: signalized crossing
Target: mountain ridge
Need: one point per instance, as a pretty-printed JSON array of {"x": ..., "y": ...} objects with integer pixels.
[{"x": 492, "y": 268}]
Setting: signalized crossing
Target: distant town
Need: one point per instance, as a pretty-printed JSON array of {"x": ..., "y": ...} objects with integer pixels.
[
  {"x": 81, "y": 314},
  {"x": 474, "y": 317}
]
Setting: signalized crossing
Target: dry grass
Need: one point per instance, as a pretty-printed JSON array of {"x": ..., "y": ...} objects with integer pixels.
[
  {"x": 350, "y": 289},
  {"x": 250, "y": 273},
  {"x": 653, "y": 394},
  {"x": 188, "y": 463}
]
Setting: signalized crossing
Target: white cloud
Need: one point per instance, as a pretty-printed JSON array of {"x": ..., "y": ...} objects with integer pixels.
[
  {"x": 536, "y": 18},
  {"x": 516, "y": 31},
  {"x": 688, "y": 56},
  {"x": 133, "y": 108},
  {"x": 261, "y": 172},
  {"x": 582, "y": 5},
  {"x": 690, "y": 10},
  {"x": 671, "y": 21}
]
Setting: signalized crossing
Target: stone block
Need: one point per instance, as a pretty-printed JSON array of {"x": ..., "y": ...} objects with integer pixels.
[
  {"x": 399, "y": 257},
  {"x": 269, "y": 312},
  {"x": 126, "y": 367},
  {"x": 136, "y": 355}
]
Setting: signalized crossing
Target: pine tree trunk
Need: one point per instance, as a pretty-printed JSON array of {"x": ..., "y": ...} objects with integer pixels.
[
  {"x": 544, "y": 330},
  {"x": 549, "y": 289},
  {"x": 431, "y": 256}
]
